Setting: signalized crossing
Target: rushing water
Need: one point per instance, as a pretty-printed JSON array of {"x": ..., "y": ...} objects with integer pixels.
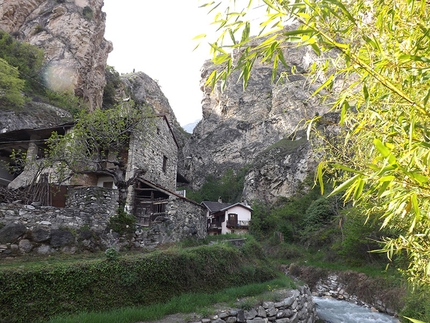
[{"x": 334, "y": 311}]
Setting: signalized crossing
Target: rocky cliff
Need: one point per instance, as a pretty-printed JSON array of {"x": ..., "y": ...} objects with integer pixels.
[
  {"x": 71, "y": 33},
  {"x": 36, "y": 115},
  {"x": 256, "y": 127}
]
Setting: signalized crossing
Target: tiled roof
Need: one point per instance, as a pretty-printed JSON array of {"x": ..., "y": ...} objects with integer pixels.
[{"x": 217, "y": 206}]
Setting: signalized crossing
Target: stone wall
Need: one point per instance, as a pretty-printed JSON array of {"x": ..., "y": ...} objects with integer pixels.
[
  {"x": 183, "y": 219},
  {"x": 295, "y": 307},
  {"x": 82, "y": 225},
  {"x": 155, "y": 149}
]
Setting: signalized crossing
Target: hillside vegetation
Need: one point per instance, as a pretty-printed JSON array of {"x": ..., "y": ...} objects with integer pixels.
[{"x": 22, "y": 78}]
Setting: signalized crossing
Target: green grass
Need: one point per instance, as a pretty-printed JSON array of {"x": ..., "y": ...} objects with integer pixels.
[
  {"x": 200, "y": 303},
  {"x": 52, "y": 260}
]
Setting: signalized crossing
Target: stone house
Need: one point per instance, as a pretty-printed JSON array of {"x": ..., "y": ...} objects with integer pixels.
[
  {"x": 29, "y": 142},
  {"x": 223, "y": 218},
  {"x": 162, "y": 215}
]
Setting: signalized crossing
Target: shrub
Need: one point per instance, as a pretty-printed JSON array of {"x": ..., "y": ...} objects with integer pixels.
[
  {"x": 88, "y": 13},
  {"x": 229, "y": 187},
  {"x": 101, "y": 285},
  {"x": 122, "y": 222},
  {"x": 112, "y": 254}
]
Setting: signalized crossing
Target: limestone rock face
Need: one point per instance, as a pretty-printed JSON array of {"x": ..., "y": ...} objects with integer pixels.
[
  {"x": 240, "y": 126},
  {"x": 71, "y": 33},
  {"x": 37, "y": 115},
  {"x": 280, "y": 169}
]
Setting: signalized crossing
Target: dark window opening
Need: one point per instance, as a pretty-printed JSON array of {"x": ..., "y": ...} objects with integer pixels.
[
  {"x": 232, "y": 220},
  {"x": 164, "y": 163},
  {"x": 108, "y": 184}
]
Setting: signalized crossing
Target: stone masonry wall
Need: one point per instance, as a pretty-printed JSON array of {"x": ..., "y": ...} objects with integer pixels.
[
  {"x": 150, "y": 147},
  {"x": 183, "y": 219},
  {"x": 295, "y": 307},
  {"x": 82, "y": 225}
]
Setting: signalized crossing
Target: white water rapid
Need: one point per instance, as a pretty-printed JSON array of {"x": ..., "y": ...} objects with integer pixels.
[{"x": 334, "y": 311}]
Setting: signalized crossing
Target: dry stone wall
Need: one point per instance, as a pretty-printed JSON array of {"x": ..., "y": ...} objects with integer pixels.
[
  {"x": 297, "y": 306},
  {"x": 82, "y": 225}
]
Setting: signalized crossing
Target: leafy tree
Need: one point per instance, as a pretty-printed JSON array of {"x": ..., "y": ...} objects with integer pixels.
[
  {"x": 11, "y": 86},
  {"x": 28, "y": 59},
  {"x": 371, "y": 58},
  {"x": 98, "y": 145},
  {"x": 229, "y": 187},
  {"x": 113, "y": 82}
]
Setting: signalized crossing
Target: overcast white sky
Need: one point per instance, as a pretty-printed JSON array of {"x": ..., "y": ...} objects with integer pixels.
[{"x": 155, "y": 37}]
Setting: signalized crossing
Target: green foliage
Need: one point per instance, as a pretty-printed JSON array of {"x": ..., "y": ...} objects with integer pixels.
[
  {"x": 88, "y": 13},
  {"x": 141, "y": 280},
  {"x": 262, "y": 223},
  {"x": 417, "y": 304},
  {"x": 122, "y": 222},
  {"x": 375, "y": 69},
  {"x": 286, "y": 216},
  {"x": 201, "y": 303},
  {"x": 113, "y": 82},
  {"x": 319, "y": 212},
  {"x": 98, "y": 145},
  {"x": 11, "y": 87},
  {"x": 26, "y": 58},
  {"x": 112, "y": 254},
  {"x": 360, "y": 238},
  {"x": 229, "y": 187}
]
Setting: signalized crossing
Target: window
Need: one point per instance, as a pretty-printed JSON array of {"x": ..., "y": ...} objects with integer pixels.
[
  {"x": 164, "y": 163},
  {"x": 232, "y": 220},
  {"x": 108, "y": 184}
]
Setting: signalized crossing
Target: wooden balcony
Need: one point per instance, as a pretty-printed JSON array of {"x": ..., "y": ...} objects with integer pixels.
[{"x": 238, "y": 224}]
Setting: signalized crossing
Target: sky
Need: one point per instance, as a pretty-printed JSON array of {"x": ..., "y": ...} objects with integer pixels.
[{"x": 156, "y": 37}]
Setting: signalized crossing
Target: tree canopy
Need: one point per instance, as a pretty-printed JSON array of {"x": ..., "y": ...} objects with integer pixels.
[
  {"x": 11, "y": 86},
  {"x": 371, "y": 58},
  {"x": 98, "y": 144}
]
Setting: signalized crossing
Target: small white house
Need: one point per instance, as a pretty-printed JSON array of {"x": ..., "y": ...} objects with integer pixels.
[{"x": 226, "y": 218}]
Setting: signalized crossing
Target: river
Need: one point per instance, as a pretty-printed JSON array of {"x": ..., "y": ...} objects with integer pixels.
[{"x": 334, "y": 311}]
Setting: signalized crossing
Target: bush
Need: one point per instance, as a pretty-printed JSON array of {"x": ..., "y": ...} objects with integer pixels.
[
  {"x": 360, "y": 237},
  {"x": 88, "y": 13},
  {"x": 112, "y": 254},
  {"x": 122, "y": 222},
  {"x": 105, "y": 285},
  {"x": 229, "y": 187},
  {"x": 417, "y": 304},
  {"x": 11, "y": 87}
]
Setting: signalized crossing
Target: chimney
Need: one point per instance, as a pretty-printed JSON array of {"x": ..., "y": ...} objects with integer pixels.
[{"x": 219, "y": 199}]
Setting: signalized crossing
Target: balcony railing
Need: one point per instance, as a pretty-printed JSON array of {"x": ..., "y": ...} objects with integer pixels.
[{"x": 238, "y": 224}]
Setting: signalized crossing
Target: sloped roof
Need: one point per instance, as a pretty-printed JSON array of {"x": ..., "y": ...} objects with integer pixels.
[
  {"x": 237, "y": 204},
  {"x": 217, "y": 206},
  {"x": 166, "y": 191}
]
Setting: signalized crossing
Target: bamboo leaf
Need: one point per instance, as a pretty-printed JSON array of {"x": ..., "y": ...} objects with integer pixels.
[
  {"x": 328, "y": 82},
  {"x": 320, "y": 176},
  {"x": 345, "y": 185},
  {"x": 413, "y": 320}
]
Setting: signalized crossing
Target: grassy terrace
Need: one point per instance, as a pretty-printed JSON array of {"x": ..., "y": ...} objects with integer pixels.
[
  {"x": 200, "y": 303},
  {"x": 37, "y": 289}
]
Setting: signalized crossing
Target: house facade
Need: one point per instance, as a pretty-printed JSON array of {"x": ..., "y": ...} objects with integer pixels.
[
  {"x": 162, "y": 215},
  {"x": 223, "y": 218}
]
